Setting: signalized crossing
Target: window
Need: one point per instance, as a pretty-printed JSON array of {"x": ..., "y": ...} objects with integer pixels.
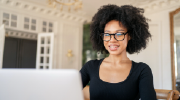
[
  {"x": 88, "y": 52},
  {"x": 13, "y": 20},
  {"x": 6, "y": 19},
  {"x": 26, "y": 23},
  {"x": 33, "y": 24},
  {"x": 47, "y": 26},
  {"x": 44, "y": 26},
  {"x": 50, "y": 27},
  {"x": 10, "y": 20},
  {"x": 29, "y": 24}
]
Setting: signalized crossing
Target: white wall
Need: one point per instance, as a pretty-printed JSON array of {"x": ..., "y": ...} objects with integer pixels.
[
  {"x": 68, "y": 30},
  {"x": 69, "y": 37},
  {"x": 157, "y": 54}
]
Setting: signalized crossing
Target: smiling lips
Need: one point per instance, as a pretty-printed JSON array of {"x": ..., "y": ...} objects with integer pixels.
[{"x": 113, "y": 47}]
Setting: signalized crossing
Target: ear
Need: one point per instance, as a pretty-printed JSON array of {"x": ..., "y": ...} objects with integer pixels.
[{"x": 129, "y": 38}]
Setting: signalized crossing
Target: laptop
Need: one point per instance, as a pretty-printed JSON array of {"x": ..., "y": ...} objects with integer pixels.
[{"x": 31, "y": 84}]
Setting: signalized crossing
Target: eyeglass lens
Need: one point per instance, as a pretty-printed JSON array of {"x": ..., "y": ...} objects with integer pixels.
[{"x": 118, "y": 36}]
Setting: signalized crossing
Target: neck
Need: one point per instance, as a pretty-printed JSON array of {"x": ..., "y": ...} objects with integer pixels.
[{"x": 117, "y": 59}]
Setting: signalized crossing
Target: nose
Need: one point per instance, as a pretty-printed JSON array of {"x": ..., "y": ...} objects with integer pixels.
[{"x": 113, "y": 38}]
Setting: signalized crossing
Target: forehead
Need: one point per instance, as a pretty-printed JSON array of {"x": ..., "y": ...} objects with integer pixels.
[{"x": 114, "y": 25}]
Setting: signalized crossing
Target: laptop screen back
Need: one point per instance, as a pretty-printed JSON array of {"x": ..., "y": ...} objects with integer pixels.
[{"x": 32, "y": 84}]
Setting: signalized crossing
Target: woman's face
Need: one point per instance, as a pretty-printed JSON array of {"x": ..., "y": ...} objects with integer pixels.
[{"x": 113, "y": 46}]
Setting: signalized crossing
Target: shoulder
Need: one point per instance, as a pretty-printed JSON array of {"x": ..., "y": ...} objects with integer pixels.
[
  {"x": 92, "y": 64},
  {"x": 142, "y": 67}
]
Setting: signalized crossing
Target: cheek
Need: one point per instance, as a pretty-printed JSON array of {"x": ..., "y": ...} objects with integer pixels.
[
  {"x": 105, "y": 44},
  {"x": 125, "y": 42}
]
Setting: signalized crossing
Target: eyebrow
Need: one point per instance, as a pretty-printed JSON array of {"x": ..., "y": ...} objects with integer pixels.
[{"x": 116, "y": 30}]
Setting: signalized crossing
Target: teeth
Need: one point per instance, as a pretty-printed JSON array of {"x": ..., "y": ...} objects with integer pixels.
[{"x": 113, "y": 46}]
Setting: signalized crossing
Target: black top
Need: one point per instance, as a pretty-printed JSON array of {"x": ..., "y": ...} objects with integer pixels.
[{"x": 138, "y": 84}]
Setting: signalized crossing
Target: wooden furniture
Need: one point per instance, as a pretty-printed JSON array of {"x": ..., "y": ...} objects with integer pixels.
[
  {"x": 167, "y": 94},
  {"x": 160, "y": 93}
]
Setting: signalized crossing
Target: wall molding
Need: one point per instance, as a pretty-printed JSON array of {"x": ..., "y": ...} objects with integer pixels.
[
  {"x": 159, "y": 5},
  {"x": 20, "y": 34},
  {"x": 159, "y": 52},
  {"x": 26, "y": 6}
]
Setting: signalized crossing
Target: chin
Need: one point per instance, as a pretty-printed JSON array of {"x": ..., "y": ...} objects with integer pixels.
[{"x": 114, "y": 53}]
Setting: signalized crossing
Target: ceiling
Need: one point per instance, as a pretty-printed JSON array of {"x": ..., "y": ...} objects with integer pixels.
[{"x": 90, "y": 7}]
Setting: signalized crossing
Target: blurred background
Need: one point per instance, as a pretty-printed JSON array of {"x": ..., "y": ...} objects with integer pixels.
[{"x": 54, "y": 34}]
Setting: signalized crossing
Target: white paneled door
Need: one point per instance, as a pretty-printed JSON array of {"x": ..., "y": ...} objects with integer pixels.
[
  {"x": 2, "y": 37},
  {"x": 44, "y": 51}
]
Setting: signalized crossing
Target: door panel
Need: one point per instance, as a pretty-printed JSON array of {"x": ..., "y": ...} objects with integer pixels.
[
  {"x": 10, "y": 53},
  {"x": 28, "y": 54},
  {"x": 45, "y": 51},
  {"x": 19, "y": 53}
]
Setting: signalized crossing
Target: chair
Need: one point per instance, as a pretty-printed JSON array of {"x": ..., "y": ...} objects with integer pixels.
[
  {"x": 160, "y": 93},
  {"x": 167, "y": 94}
]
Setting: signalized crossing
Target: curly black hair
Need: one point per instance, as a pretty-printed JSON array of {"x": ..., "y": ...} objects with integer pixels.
[{"x": 130, "y": 17}]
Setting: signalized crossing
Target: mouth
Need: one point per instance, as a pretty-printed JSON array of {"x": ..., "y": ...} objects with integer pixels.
[{"x": 113, "y": 47}]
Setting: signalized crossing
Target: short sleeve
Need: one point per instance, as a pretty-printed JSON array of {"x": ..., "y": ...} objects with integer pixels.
[
  {"x": 85, "y": 74},
  {"x": 146, "y": 87}
]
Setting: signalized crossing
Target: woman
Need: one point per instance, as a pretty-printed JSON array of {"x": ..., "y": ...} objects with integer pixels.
[{"x": 118, "y": 30}]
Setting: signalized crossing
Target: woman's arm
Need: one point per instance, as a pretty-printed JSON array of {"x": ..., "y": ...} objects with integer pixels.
[
  {"x": 146, "y": 87},
  {"x": 85, "y": 74},
  {"x": 86, "y": 93}
]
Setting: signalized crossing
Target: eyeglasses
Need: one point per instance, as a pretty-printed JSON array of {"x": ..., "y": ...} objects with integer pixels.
[{"x": 118, "y": 36}]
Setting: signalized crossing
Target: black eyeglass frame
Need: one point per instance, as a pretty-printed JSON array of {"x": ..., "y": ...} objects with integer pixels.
[{"x": 102, "y": 35}]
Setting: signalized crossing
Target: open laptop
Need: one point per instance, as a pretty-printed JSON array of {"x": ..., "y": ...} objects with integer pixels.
[{"x": 21, "y": 84}]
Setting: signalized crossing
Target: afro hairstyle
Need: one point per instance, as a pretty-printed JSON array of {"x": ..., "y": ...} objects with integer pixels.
[{"x": 131, "y": 17}]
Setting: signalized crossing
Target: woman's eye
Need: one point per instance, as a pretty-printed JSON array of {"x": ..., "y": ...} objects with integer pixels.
[
  {"x": 118, "y": 34},
  {"x": 106, "y": 34}
]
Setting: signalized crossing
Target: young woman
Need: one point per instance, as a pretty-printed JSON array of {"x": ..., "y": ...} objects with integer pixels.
[{"x": 118, "y": 31}]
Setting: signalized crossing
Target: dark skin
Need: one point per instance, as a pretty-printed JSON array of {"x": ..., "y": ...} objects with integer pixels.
[{"x": 116, "y": 67}]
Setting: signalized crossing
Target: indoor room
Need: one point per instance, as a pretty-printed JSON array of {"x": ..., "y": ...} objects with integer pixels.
[{"x": 47, "y": 35}]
